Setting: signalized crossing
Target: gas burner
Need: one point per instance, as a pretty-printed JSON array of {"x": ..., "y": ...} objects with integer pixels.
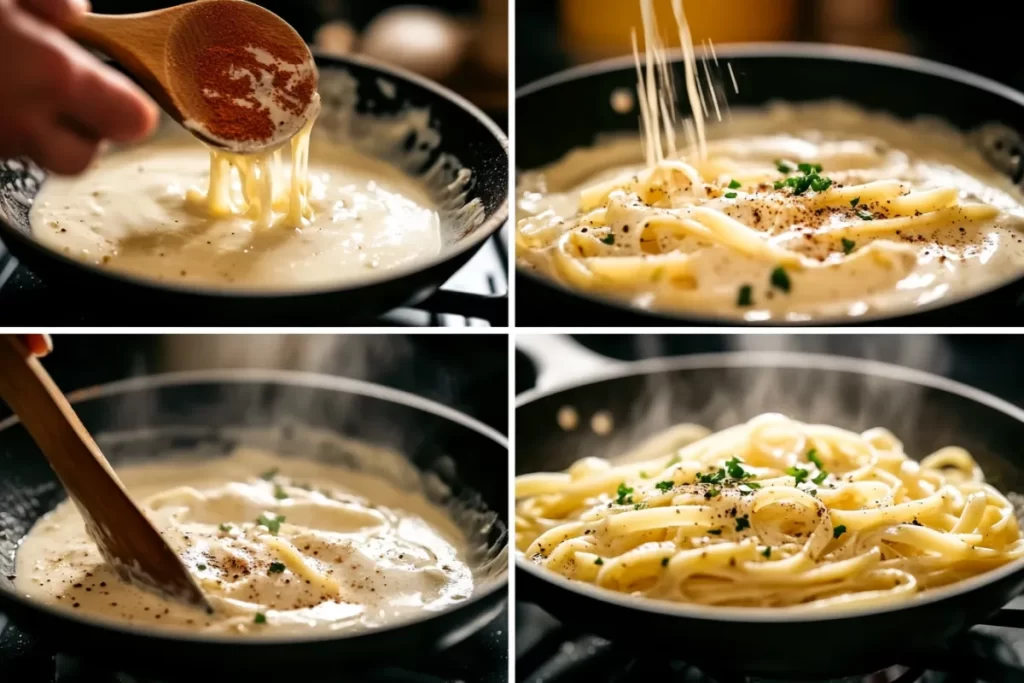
[
  {"x": 481, "y": 658},
  {"x": 470, "y": 298},
  {"x": 548, "y": 652}
]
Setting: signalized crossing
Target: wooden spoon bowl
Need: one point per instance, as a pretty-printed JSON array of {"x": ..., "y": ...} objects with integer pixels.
[{"x": 195, "y": 59}]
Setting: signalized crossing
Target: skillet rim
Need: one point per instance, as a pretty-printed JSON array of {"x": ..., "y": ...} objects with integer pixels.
[
  {"x": 774, "y": 359},
  {"x": 491, "y": 226},
  {"x": 819, "y": 51},
  {"x": 266, "y": 376}
]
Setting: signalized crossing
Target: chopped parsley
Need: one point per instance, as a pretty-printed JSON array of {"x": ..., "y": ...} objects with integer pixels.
[
  {"x": 260, "y": 618},
  {"x": 783, "y": 166},
  {"x": 714, "y": 478},
  {"x": 752, "y": 484},
  {"x": 742, "y": 523},
  {"x": 838, "y": 531},
  {"x": 711, "y": 493},
  {"x": 275, "y": 568},
  {"x": 732, "y": 465},
  {"x": 849, "y": 244},
  {"x": 225, "y": 527},
  {"x": 269, "y": 474},
  {"x": 812, "y": 456},
  {"x": 715, "y": 532},
  {"x": 730, "y": 195},
  {"x": 664, "y": 486},
  {"x": 798, "y": 473},
  {"x": 746, "y": 296},
  {"x": 674, "y": 461},
  {"x": 767, "y": 552},
  {"x": 625, "y": 494},
  {"x": 201, "y": 567},
  {"x": 854, "y": 202},
  {"x": 820, "y": 478},
  {"x": 279, "y": 492},
  {"x": 808, "y": 169},
  {"x": 664, "y": 562},
  {"x": 734, "y": 184},
  {"x": 271, "y": 521},
  {"x": 599, "y": 561},
  {"x": 608, "y": 239},
  {"x": 780, "y": 279},
  {"x": 865, "y": 216},
  {"x": 643, "y": 475},
  {"x": 640, "y": 506}
]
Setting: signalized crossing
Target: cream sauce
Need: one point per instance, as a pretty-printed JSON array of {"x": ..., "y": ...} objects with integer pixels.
[
  {"x": 884, "y": 273},
  {"x": 148, "y": 212},
  {"x": 351, "y": 552}
]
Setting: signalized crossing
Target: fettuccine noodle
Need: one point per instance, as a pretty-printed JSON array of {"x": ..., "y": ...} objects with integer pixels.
[{"x": 771, "y": 513}]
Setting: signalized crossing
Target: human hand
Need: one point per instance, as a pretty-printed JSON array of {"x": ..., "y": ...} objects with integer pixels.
[{"x": 57, "y": 101}]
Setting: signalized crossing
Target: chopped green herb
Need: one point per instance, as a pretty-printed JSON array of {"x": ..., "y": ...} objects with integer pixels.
[
  {"x": 599, "y": 561},
  {"x": 783, "y": 166},
  {"x": 625, "y": 496},
  {"x": 664, "y": 486},
  {"x": 608, "y": 239},
  {"x": 813, "y": 492},
  {"x": 269, "y": 474},
  {"x": 260, "y": 618},
  {"x": 711, "y": 478},
  {"x": 752, "y": 484},
  {"x": 715, "y": 532},
  {"x": 275, "y": 568},
  {"x": 730, "y": 195},
  {"x": 279, "y": 492},
  {"x": 225, "y": 527},
  {"x": 734, "y": 184},
  {"x": 736, "y": 471},
  {"x": 272, "y": 522},
  {"x": 820, "y": 478},
  {"x": 780, "y": 279},
  {"x": 640, "y": 506},
  {"x": 201, "y": 567},
  {"x": 808, "y": 169},
  {"x": 798, "y": 473},
  {"x": 865, "y": 216},
  {"x": 854, "y": 202},
  {"x": 664, "y": 562},
  {"x": 767, "y": 552},
  {"x": 746, "y": 296},
  {"x": 643, "y": 475},
  {"x": 838, "y": 531},
  {"x": 779, "y": 184},
  {"x": 849, "y": 244},
  {"x": 812, "y": 456},
  {"x": 742, "y": 523},
  {"x": 711, "y": 493},
  {"x": 674, "y": 461},
  {"x": 820, "y": 183}
]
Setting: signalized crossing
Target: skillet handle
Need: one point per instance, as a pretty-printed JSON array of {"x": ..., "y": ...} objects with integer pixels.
[{"x": 560, "y": 360}]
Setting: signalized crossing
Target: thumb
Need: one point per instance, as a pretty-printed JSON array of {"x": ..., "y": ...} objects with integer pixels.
[{"x": 56, "y": 11}]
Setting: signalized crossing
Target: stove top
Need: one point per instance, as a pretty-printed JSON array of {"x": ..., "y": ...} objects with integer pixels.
[
  {"x": 24, "y": 296},
  {"x": 481, "y": 658}
]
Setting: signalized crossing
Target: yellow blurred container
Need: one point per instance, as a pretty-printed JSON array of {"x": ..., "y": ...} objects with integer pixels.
[{"x": 596, "y": 29}]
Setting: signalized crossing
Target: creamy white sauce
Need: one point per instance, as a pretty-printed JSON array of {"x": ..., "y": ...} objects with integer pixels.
[
  {"x": 352, "y": 552},
  {"x": 885, "y": 273},
  {"x": 144, "y": 212}
]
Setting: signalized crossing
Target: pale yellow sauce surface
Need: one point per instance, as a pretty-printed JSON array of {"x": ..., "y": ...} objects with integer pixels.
[
  {"x": 351, "y": 553},
  {"x": 633, "y": 243},
  {"x": 145, "y": 212}
]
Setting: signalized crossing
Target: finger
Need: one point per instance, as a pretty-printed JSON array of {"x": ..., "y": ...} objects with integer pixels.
[
  {"x": 38, "y": 344},
  {"x": 107, "y": 102},
  {"x": 61, "y": 149},
  {"x": 56, "y": 11}
]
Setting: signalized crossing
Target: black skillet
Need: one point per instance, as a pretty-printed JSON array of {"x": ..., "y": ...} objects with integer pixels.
[
  {"x": 466, "y": 133},
  {"x": 211, "y": 412},
  {"x": 719, "y": 390},
  {"x": 570, "y": 109}
]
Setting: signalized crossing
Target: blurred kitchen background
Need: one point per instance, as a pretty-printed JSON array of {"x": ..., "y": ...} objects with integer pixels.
[
  {"x": 462, "y": 44},
  {"x": 555, "y": 34},
  {"x": 466, "y": 372}
]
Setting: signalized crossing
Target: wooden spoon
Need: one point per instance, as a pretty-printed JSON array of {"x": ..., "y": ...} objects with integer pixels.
[
  {"x": 182, "y": 55},
  {"x": 126, "y": 538}
]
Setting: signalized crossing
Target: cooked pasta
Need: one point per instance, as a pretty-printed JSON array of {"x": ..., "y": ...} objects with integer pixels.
[
  {"x": 795, "y": 213},
  {"x": 770, "y": 513}
]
